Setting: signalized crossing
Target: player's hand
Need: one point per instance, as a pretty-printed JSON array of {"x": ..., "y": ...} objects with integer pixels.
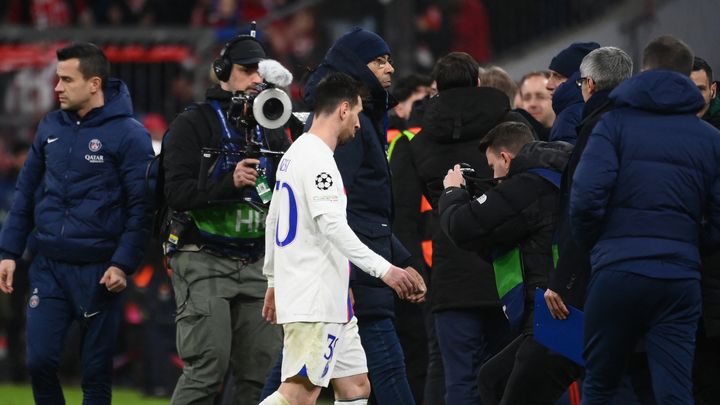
[
  {"x": 114, "y": 279},
  {"x": 7, "y": 270},
  {"x": 418, "y": 295},
  {"x": 454, "y": 178},
  {"x": 400, "y": 280},
  {"x": 268, "y": 310},
  {"x": 555, "y": 304},
  {"x": 245, "y": 173}
]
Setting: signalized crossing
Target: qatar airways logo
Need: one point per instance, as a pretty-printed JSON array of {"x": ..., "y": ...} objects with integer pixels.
[{"x": 95, "y": 158}]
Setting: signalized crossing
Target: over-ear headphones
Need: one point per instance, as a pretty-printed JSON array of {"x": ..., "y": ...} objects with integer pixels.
[{"x": 222, "y": 66}]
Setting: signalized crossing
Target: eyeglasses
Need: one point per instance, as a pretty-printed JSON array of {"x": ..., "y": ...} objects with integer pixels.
[
  {"x": 580, "y": 81},
  {"x": 382, "y": 62}
]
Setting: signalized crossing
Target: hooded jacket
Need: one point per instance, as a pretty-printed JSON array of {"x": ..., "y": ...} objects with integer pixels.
[
  {"x": 365, "y": 172},
  {"x": 647, "y": 178},
  {"x": 519, "y": 213},
  {"x": 83, "y": 191},
  {"x": 455, "y": 122},
  {"x": 568, "y": 105}
]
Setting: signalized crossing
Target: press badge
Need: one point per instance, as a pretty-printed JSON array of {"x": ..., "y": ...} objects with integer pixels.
[{"x": 263, "y": 189}]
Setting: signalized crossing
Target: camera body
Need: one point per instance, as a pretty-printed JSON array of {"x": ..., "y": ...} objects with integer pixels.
[
  {"x": 268, "y": 107},
  {"x": 475, "y": 186}
]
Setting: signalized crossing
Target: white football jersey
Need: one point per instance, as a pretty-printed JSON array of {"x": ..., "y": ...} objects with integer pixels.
[{"x": 309, "y": 271}]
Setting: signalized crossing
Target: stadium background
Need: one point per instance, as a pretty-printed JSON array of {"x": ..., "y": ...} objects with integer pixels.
[{"x": 162, "y": 49}]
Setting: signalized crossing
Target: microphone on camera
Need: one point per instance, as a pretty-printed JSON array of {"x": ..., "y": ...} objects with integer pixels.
[{"x": 274, "y": 73}]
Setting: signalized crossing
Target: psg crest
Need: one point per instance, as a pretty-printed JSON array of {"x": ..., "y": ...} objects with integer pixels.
[
  {"x": 95, "y": 145},
  {"x": 323, "y": 181}
]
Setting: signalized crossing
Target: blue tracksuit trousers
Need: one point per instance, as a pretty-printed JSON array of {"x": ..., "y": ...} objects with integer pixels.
[
  {"x": 621, "y": 308},
  {"x": 60, "y": 293}
]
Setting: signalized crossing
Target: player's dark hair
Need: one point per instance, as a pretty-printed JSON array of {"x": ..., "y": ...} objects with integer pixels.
[
  {"x": 334, "y": 89},
  {"x": 668, "y": 53}
]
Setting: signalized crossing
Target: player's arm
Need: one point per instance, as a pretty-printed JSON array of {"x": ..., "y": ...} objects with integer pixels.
[
  {"x": 323, "y": 195},
  {"x": 335, "y": 228}
]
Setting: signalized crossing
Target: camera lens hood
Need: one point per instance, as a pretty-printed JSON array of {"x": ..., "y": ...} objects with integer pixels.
[{"x": 272, "y": 108}]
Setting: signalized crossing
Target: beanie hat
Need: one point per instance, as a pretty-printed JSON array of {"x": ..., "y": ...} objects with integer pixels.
[
  {"x": 568, "y": 60},
  {"x": 366, "y": 45}
]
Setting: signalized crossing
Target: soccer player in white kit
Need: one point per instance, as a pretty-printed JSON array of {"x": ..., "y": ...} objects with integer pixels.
[{"x": 308, "y": 244}]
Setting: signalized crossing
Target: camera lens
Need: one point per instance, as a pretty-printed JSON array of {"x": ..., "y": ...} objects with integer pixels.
[{"x": 273, "y": 109}]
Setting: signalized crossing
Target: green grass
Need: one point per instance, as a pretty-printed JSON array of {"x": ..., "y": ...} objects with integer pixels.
[{"x": 22, "y": 395}]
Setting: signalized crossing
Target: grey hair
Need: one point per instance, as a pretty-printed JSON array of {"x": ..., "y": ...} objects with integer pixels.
[{"x": 607, "y": 66}]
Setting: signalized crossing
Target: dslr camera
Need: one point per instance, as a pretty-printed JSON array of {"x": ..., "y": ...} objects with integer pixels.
[{"x": 475, "y": 186}]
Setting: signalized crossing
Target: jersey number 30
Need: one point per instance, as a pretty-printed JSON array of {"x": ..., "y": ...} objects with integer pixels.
[{"x": 292, "y": 216}]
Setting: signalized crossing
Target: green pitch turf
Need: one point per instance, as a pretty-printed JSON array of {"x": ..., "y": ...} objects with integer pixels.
[{"x": 22, "y": 395}]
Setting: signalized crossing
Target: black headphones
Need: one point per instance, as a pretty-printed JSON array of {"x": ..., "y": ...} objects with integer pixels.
[{"x": 222, "y": 66}]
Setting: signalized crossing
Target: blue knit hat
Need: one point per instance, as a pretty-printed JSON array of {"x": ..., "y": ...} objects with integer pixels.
[
  {"x": 366, "y": 45},
  {"x": 568, "y": 60}
]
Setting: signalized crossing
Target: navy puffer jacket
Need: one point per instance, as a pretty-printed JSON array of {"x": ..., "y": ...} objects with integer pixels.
[
  {"x": 568, "y": 105},
  {"x": 647, "y": 178},
  {"x": 82, "y": 191}
]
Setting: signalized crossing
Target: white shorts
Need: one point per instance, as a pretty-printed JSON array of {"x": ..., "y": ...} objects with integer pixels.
[{"x": 322, "y": 351}]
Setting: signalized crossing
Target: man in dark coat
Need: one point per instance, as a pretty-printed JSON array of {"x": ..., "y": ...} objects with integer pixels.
[
  {"x": 469, "y": 321},
  {"x": 82, "y": 196},
  {"x": 706, "y": 369},
  {"x": 645, "y": 195},
  {"x": 567, "y": 100},
  {"x": 514, "y": 222},
  {"x": 363, "y": 164}
]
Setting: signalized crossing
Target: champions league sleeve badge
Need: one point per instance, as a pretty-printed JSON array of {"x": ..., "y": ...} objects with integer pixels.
[{"x": 323, "y": 181}]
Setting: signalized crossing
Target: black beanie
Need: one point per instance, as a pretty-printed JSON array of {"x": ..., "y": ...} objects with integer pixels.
[
  {"x": 366, "y": 45},
  {"x": 568, "y": 60}
]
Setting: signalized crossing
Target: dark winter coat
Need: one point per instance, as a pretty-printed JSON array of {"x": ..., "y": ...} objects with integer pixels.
[
  {"x": 455, "y": 123},
  {"x": 711, "y": 273},
  {"x": 83, "y": 191},
  {"x": 648, "y": 177},
  {"x": 365, "y": 172},
  {"x": 520, "y": 212},
  {"x": 572, "y": 273},
  {"x": 568, "y": 105}
]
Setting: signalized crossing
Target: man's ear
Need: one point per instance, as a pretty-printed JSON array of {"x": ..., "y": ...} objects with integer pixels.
[
  {"x": 591, "y": 85},
  {"x": 713, "y": 90},
  {"x": 507, "y": 157},
  {"x": 95, "y": 83},
  {"x": 344, "y": 110}
]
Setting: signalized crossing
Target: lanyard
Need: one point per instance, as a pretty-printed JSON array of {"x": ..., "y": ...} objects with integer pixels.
[{"x": 230, "y": 133}]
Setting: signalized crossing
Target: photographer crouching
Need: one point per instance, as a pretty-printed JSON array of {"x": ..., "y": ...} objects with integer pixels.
[
  {"x": 218, "y": 169},
  {"x": 513, "y": 223}
]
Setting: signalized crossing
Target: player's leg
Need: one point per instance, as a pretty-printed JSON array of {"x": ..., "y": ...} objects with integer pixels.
[
  {"x": 49, "y": 314},
  {"x": 350, "y": 379},
  {"x": 308, "y": 360},
  {"x": 352, "y": 390},
  {"x": 101, "y": 315},
  {"x": 295, "y": 390}
]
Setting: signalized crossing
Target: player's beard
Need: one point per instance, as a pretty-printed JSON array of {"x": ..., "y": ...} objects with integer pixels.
[{"x": 346, "y": 137}]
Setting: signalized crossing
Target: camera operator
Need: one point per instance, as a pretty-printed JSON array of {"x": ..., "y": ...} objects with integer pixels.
[
  {"x": 216, "y": 235},
  {"x": 515, "y": 221}
]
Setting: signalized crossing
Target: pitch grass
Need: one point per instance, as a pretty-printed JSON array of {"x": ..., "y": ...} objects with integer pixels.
[{"x": 22, "y": 395}]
